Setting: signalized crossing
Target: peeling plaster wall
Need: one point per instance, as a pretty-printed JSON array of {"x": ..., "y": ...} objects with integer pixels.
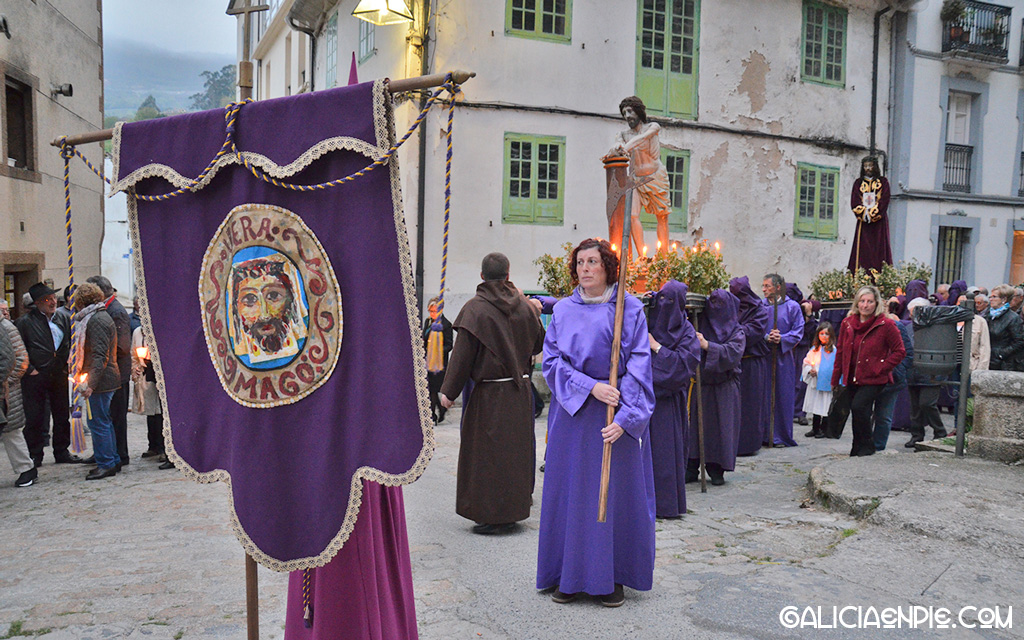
[{"x": 741, "y": 187}]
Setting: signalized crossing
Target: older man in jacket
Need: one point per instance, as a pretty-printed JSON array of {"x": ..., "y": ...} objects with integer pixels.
[{"x": 47, "y": 337}]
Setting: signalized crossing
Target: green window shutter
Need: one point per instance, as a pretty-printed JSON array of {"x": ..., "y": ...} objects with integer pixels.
[
  {"x": 817, "y": 202},
  {"x": 534, "y": 179},
  {"x": 667, "y": 56},
  {"x": 539, "y": 19},
  {"x": 828, "y": 204},
  {"x": 519, "y": 192},
  {"x": 806, "y": 201},
  {"x": 550, "y": 182},
  {"x": 824, "y": 44},
  {"x": 678, "y": 165}
]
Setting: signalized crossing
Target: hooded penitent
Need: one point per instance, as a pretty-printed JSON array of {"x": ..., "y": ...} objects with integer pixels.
[
  {"x": 755, "y": 320},
  {"x": 673, "y": 367}
]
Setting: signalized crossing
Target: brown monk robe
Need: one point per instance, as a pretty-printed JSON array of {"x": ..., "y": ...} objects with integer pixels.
[{"x": 498, "y": 332}]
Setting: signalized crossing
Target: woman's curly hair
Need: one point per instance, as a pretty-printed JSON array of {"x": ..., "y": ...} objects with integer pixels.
[{"x": 608, "y": 258}]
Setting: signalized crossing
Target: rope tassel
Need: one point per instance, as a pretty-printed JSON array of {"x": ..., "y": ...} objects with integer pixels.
[{"x": 307, "y": 603}]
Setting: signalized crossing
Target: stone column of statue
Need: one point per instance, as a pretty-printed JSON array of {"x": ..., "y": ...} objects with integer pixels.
[
  {"x": 640, "y": 144},
  {"x": 870, "y": 203}
]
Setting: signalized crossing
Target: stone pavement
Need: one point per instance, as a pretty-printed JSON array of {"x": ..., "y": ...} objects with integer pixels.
[{"x": 150, "y": 555}]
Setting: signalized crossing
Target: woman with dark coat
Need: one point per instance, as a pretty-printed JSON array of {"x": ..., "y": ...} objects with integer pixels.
[
  {"x": 868, "y": 349},
  {"x": 94, "y": 352},
  {"x": 1005, "y": 332}
]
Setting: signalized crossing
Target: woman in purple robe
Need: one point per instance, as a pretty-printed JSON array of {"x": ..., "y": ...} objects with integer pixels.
[
  {"x": 576, "y": 552},
  {"x": 365, "y": 592},
  {"x": 755, "y": 321},
  {"x": 722, "y": 342},
  {"x": 675, "y": 352}
]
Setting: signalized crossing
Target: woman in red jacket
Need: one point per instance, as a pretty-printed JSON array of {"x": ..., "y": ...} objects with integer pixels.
[{"x": 868, "y": 349}]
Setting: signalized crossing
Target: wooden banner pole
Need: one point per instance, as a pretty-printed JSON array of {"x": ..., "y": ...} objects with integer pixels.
[{"x": 396, "y": 86}]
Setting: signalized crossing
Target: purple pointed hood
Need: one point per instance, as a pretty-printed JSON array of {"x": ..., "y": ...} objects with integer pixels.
[
  {"x": 719, "y": 321},
  {"x": 668, "y": 315},
  {"x": 793, "y": 292},
  {"x": 917, "y": 289}
]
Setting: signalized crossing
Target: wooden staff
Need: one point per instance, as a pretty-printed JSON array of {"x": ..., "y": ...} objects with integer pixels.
[
  {"x": 856, "y": 254},
  {"x": 700, "y": 419},
  {"x": 775, "y": 358},
  {"x": 613, "y": 376}
]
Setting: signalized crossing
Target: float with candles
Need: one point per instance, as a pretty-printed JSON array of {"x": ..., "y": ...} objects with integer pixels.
[
  {"x": 700, "y": 266},
  {"x": 836, "y": 288}
]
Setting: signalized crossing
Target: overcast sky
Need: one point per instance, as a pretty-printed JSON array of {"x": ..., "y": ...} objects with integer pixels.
[{"x": 193, "y": 26}]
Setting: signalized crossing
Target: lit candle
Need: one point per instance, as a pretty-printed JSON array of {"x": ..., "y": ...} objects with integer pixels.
[
  {"x": 613, "y": 247},
  {"x": 675, "y": 247},
  {"x": 142, "y": 352},
  {"x": 659, "y": 245},
  {"x": 718, "y": 248},
  {"x": 82, "y": 378},
  {"x": 644, "y": 251}
]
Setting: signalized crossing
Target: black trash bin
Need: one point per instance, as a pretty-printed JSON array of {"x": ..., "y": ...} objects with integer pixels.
[{"x": 935, "y": 339}]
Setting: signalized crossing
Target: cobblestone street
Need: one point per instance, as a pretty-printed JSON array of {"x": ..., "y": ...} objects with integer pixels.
[{"x": 149, "y": 554}]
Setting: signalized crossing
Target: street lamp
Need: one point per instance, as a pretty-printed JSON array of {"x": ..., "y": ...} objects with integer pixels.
[{"x": 383, "y": 12}]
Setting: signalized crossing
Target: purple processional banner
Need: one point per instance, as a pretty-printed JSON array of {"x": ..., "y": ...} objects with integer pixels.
[{"x": 283, "y": 324}]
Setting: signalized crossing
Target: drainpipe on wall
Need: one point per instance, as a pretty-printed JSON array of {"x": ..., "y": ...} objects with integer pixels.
[
  {"x": 874, "y": 76},
  {"x": 422, "y": 169}
]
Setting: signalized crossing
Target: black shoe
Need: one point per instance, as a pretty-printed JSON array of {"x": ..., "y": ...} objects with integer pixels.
[
  {"x": 562, "y": 598},
  {"x": 913, "y": 441},
  {"x": 166, "y": 465},
  {"x": 811, "y": 434},
  {"x": 615, "y": 598},
  {"x": 939, "y": 435},
  {"x": 89, "y": 460},
  {"x": 151, "y": 454},
  {"x": 820, "y": 434},
  {"x": 491, "y": 529},
  {"x": 27, "y": 479},
  {"x": 717, "y": 475},
  {"x": 802, "y": 422},
  {"x": 67, "y": 458},
  {"x": 98, "y": 473}
]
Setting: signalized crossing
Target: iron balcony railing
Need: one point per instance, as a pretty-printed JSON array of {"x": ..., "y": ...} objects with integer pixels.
[
  {"x": 958, "y": 168},
  {"x": 982, "y": 29}
]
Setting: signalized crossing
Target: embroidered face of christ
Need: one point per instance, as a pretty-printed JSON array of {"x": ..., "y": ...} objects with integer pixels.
[{"x": 267, "y": 312}]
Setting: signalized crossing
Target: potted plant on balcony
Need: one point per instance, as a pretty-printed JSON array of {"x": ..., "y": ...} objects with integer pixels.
[{"x": 952, "y": 14}]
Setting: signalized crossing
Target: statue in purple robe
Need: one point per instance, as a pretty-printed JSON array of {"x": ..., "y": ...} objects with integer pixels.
[
  {"x": 787, "y": 331},
  {"x": 755, "y": 321},
  {"x": 869, "y": 200},
  {"x": 722, "y": 343},
  {"x": 576, "y": 552},
  {"x": 675, "y": 353}
]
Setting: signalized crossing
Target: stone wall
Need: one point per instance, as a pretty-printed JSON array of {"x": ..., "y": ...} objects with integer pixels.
[{"x": 998, "y": 432}]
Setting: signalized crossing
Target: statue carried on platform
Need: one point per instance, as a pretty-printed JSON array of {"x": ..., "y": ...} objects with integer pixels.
[
  {"x": 640, "y": 144},
  {"x": 870, "y": 203}
]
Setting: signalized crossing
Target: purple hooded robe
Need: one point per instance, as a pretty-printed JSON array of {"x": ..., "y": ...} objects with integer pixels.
[
  {"x": 365, "y": 592},
  {"x": 576, "y": 552},
  {"x": 791, "y": 326},
  {"x": 720, "y": 381},
  {"x": 755, "y": 321},
  {"x": 673, "y": 367}
]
